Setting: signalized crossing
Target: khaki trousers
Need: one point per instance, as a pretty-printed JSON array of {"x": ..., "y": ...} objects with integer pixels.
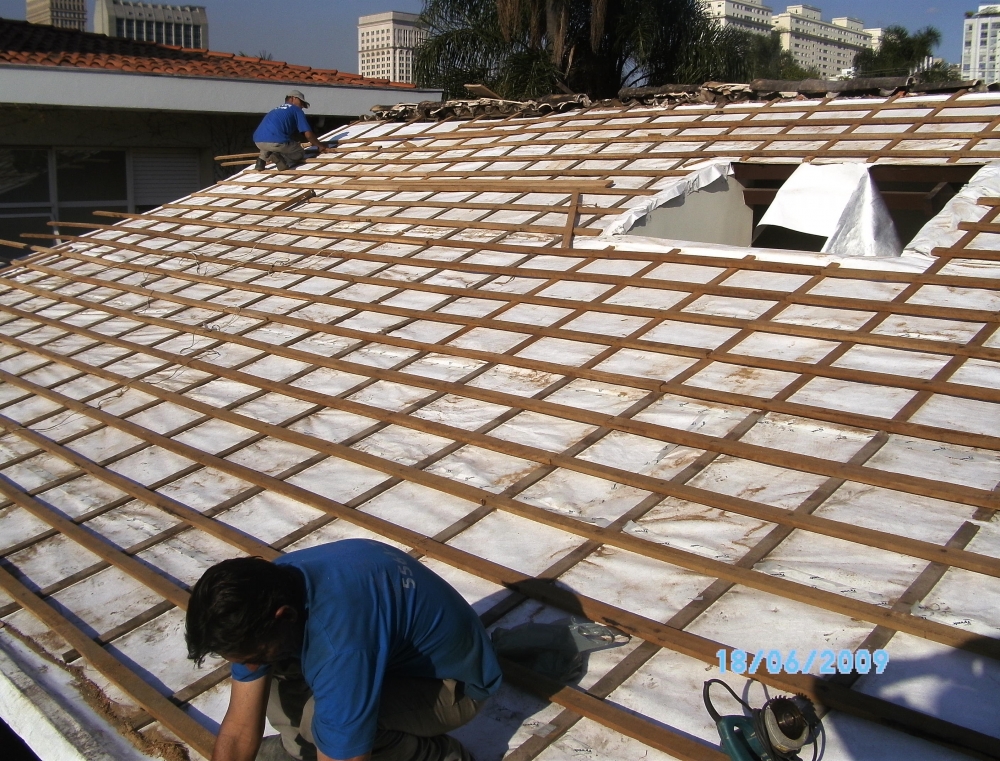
[
  {"x": 414, "y": 716},
  {"x": 290, "y": 153}
]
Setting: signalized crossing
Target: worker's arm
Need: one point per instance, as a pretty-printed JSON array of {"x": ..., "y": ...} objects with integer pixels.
[
  {"x": 323, "y": 757},
  {"x": 311, "y": 137},
  {"x": 242, "y": 728}
]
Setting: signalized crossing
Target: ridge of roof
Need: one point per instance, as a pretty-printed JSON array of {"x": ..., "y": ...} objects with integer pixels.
[
  {"x": 710, "y": 93},
  {"x": 26, "y": 44}
]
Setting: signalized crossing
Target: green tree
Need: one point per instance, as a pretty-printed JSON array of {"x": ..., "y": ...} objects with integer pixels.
[
  {"x": 899, "y": 54},
  {"x": 530, "y": 48},
  {"x": 769, "y": 61}
]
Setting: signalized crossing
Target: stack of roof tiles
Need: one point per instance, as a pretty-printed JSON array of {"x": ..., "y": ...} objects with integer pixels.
[{"x": 27, "y": 44}]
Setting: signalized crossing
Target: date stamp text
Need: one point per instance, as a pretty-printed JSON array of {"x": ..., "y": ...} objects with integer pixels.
[{"x": 821, "y": 662}]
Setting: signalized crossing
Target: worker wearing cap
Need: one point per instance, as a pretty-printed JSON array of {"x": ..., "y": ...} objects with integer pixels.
[
  {"x": 277, "y": 135},
  {"x": 354, "y": 650}
]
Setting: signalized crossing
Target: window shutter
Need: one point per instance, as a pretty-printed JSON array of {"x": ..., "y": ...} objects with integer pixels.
[{"x": 161, "y": 176}]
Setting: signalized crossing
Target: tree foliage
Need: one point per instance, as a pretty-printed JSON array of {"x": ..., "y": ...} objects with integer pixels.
[
  {"x": 530, "y": 48},
  {"x": 769, "y": 61},
  {"x": 899, "y": 54}
]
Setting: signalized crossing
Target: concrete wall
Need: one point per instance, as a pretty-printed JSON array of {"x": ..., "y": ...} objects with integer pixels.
[
  {"x": 97, "y": 88},
  {"x": 714, "y": 214}
]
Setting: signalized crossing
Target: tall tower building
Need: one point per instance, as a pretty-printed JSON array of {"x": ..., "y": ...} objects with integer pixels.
[
  {"x": 385, "y": 45},
  {"x": 183, "y": 25},
  {"x": 66, "y": 14},
  {"x": 979, "y": 44},
  {"x": 751, "y": 15},
  {"x": 828, "y": 46}
]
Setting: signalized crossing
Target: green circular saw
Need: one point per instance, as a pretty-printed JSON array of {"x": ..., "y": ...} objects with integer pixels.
[{"x": 777, "y": 731}]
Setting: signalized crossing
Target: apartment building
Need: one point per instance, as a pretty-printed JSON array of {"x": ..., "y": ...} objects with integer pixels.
[
  {"x": 385, "y": 45},
  {"x": 979, "y": 44},
  {"x": 65, "y": 14},
  {"x": 751, "y": 15},
  {"x": 182, "y": 25},
  {"x": 827, "y": 46}
]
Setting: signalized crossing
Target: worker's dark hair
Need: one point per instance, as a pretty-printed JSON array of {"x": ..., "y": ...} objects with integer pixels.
[{"x": 232, "y": 607}]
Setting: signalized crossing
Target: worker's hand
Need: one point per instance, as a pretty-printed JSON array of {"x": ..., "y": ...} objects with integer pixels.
[{"x": 320, "y": 148}]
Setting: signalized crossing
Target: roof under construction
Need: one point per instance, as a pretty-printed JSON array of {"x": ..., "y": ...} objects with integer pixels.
[{"x": 463, "y": 337}]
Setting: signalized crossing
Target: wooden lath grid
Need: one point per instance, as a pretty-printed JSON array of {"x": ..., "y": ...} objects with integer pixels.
[{"x": 126, "y": 291}]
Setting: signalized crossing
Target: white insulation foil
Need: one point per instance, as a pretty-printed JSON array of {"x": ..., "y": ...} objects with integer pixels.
[
  {"x": 682, "y": 186},
  {"x": 943, "y": 230},
  {"x": 840, "y": 203}
]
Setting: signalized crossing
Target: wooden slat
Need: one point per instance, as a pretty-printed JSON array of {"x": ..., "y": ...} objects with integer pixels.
[{"x": 156, "y": 704}]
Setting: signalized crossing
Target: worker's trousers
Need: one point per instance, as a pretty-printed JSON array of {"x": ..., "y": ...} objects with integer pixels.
[
  {"x": 288, "y": 154},
  {"x": 414, "y": 716}
]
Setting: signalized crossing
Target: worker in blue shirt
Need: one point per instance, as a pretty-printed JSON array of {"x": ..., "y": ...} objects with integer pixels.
[
  {"x": 277, "y": 134},
  {"x": 353, "y": 650}
]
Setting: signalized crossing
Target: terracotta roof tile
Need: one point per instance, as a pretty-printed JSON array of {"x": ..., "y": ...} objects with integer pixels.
[{"x": 38, "y": 45}]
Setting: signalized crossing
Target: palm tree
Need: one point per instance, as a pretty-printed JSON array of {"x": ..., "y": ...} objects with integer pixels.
[
  {"x": 899, "y": 54},
  {"x": 529, "y": 48}
]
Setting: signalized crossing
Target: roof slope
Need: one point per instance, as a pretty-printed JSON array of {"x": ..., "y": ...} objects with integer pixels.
[
  {"x": 27, "y": 44},
  {"x": 421, "y": 336}
]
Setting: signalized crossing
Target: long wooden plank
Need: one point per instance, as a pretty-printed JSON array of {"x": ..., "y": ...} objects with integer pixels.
[
  {"x": 812, "y": 464},
  {"x": 674, "y": 256},
  {"x": 156, "y": 704},
  {"x": 807, "y": 463},
  {"x": 680, "y": 746},
  {"x": 607, "y": 714},
  {"x": 681, "y": 350},
  {"x": 910, "y": 309},
  {"x": 693, "y": 645},
  {"x": 847, "y": 532},
  {"x": 713, "y": 568}
]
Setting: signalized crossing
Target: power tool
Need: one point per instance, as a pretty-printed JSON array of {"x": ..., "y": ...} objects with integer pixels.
[{"x": 775, "y": 732}]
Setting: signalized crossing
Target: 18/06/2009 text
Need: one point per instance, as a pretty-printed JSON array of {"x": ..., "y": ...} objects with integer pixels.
[{"x": 827, "y": 661}]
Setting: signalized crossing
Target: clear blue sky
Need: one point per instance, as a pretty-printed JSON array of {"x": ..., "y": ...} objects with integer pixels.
[{"x": 323, "y": 34}]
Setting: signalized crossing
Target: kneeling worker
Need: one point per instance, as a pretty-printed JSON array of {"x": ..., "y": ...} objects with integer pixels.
[
  {"x": 353, "y": 650},
  {"x": 276, "y": 135}
]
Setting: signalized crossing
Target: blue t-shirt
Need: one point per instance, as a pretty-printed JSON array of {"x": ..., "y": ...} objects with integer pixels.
[
  {"x": 372, "y": 611},
  {"x": 281, "y": 124}
]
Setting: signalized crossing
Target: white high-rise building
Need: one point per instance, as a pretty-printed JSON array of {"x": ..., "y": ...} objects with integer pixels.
[
  {"x": 385, "y": 45},
  {"x": 752, "y": 15},
  {"x": 827, "y": 46},
  {"x": 183, "y": 25},
  {"x": 876, "y": 34},
  {"x": 979, "y": 44},
  {"x": 65, "y": 14}
]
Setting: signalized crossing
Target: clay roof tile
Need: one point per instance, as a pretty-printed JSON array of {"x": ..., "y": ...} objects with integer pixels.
[{"x": 33, "y": 44}]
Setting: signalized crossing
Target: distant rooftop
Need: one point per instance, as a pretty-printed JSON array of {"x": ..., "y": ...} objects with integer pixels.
[
  {"x": 377, "y": 18},
  {"x": 27, "y": 44}
]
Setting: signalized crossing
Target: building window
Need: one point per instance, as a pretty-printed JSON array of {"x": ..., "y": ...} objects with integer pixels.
[
  {"x": 119, "y": 27},
  {"x": 84, "y": 181}
]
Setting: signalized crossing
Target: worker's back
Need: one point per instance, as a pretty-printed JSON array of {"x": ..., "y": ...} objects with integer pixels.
[
  {"x": 281, "y": 124},
  {"x": 373, "y": 612}
]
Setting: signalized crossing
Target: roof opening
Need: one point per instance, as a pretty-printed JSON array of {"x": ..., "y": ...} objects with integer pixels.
[{"x": 729, "y": 210}]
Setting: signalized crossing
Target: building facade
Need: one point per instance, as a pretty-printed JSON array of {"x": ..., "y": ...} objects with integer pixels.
[
  {"x": 827, "y": 46},
  {"x": 183, "y": 25},
  {"x": 751, "y": 15},
  {"x": 386, "y": 42},
  {"x": 876, "y": 34},
  {"x": 65, "y": 14},
  {"x": 91, "y": 122},
  {"x": 979, "y": 44}
]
